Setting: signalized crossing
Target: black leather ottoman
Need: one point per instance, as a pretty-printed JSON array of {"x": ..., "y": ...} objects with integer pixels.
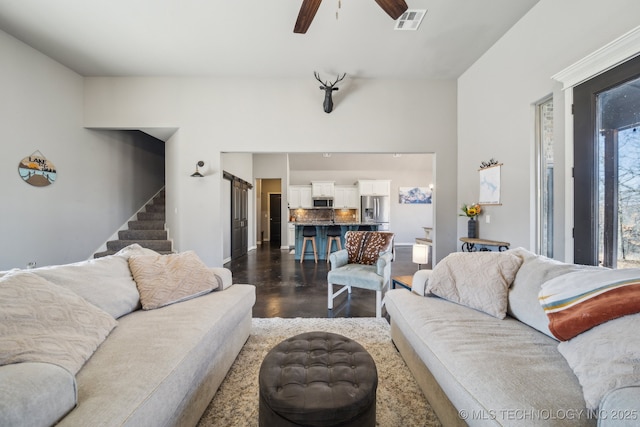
[{"x": 318, "y": 379}]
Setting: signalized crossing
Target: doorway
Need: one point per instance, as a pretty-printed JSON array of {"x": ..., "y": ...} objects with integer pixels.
[{"x": 275, "y": 219}]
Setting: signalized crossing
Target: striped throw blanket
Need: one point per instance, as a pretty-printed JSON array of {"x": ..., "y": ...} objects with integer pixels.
[{"x": 578, "y": 301}]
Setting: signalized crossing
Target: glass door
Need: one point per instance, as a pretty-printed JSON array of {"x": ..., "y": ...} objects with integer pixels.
[
  {"x": 618, "y": 122},
  {"x": 607, "y": 168}
]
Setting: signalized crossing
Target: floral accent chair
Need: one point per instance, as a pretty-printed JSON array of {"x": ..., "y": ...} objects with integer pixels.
[{"x": 365, "y": 263}]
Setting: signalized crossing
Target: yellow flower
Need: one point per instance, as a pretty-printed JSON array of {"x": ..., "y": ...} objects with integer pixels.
[{"x": 471, "y": 210}]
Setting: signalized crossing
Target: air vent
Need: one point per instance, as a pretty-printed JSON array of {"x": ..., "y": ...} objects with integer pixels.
[{"x": 410, "y": 20}]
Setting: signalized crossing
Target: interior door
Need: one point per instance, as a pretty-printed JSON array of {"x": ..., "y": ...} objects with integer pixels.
[
  {"x": 239, "y": 217},
  {"x": 275, "y": 219}
]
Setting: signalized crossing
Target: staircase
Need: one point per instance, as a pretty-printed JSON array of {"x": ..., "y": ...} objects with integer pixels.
[{"x": 148, "y": 230}]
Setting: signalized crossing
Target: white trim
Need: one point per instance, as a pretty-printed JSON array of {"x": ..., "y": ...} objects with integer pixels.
[{"x": 607, "y": 57}]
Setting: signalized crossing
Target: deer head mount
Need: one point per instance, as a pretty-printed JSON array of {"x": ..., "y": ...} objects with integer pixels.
[{"x": 328, "y": 91}]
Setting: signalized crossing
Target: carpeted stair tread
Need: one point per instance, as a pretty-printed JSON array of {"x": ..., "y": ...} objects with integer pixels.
[
  {"x": 151, "y": 216},
  {"x": 155, "y": 207},
  {"x": 142, "y": 235},
  {"x": 106, "y": 253},
  {"x": 156, "y": 245},
  {"x": 146, "y": 225}
]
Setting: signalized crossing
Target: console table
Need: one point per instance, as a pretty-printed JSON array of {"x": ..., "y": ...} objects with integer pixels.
[{"x": 469, "y": 244}]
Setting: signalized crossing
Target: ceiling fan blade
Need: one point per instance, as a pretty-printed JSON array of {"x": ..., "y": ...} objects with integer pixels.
[
  {"x": 394, "y": 8},
  {"x": 305, "y": 16}
]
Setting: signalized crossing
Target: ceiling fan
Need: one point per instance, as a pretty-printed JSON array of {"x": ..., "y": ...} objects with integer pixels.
[{"x": 394, "y": 8}]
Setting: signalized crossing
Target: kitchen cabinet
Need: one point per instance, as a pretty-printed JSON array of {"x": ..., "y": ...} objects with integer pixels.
[
  {"x": 300, "y": 197},
  {"x": 346, "y": 197},
  {"x": 322, "y": 188},
  {"x": 291, "y": 235},
  {"x": 374, "y": 187}
]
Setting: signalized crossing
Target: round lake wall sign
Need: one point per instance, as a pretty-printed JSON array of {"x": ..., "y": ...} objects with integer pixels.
[{"x": 37, "y": 170}]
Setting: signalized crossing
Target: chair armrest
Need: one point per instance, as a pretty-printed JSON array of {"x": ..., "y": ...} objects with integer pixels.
[
  {"x": 224, "y": 277},
  {"x": 383, "y": 265},
  {"x": 339, "y": 258}
]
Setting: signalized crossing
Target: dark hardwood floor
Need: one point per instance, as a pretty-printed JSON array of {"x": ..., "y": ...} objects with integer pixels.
[{"x": 287, "y": 288}]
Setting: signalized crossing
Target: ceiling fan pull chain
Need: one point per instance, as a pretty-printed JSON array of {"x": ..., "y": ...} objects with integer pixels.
[{"x": 339, "y": 6}]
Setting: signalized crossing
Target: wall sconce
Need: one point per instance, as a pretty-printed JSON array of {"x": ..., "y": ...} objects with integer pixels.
[
  {"x": 197, "y": 173},
  {"x": 420, "y": 254}
]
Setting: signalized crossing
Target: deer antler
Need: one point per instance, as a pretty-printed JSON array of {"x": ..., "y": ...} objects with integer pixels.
[
  {"x": 315, "y": 73},
  {"x": 339, "y": 79}
]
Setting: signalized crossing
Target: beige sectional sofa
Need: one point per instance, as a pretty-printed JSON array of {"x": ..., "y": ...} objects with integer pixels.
[
  {"x": 113, "y": 363},
  {"x": 484, "y": 354}
]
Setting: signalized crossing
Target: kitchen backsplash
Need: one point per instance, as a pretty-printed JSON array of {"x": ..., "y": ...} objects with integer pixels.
[{"x": 309, "y": 215}]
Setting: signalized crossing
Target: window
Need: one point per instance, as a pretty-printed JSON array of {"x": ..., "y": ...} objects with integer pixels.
[{"x": 544, "y": 150}]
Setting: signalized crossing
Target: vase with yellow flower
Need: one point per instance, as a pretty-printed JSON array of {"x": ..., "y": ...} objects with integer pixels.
[{"x": 471, "y": 211}]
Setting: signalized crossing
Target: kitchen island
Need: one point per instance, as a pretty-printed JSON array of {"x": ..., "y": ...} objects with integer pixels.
[{"x": 321, "y": 237}]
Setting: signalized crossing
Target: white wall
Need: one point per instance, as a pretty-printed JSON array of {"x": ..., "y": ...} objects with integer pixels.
[
  {"x": 496, "y": 115},
  {"x": 103, "y": 177},
  {"x": 277, "y": 115}
]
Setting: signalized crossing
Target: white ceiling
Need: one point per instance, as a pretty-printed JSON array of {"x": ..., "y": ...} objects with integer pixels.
[{"x": 253, "y": 38}]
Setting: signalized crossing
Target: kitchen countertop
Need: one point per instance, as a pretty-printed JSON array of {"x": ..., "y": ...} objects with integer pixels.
[{"x": 321, "y": 223}]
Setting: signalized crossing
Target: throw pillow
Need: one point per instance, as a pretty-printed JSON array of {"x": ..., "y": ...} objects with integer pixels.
[
  {"x": 605, "y": 358},
  {"x": 580, "y": 300},
  {"x": 104, "y": 282},
  {"x": 364, "y": 247},
  {"x": 168, "y": 279},
  {"x": 523, "y": 294},
  {"x": 478, "y": 280},
  {"x": 43, "y": 322}
]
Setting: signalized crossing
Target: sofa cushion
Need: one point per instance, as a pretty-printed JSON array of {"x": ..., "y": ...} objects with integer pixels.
[
  {"x": 492, "y": 370},
  {"x": 580, "y": 300},
  {"x": 166, "y": 279},
  {"x": 357, "y": 275},
  {"x": 605, "y": 358},
  {"x": 104, "y": 282},
  {"x": 35, "y": 394},
  {"x": 163, "y": 366},
  {"x": 364, "y": 247},
  {"x": 523, "y": 295},
  {"x": 43, "y": 322},
  {"x": 479, "y": 280}
]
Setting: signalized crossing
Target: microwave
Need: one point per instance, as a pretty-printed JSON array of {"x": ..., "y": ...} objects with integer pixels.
[{"x": 322, "y": 203}]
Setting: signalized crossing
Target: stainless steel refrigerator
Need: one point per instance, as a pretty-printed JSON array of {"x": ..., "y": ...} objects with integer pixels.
[{"x": 375, "y": 209}]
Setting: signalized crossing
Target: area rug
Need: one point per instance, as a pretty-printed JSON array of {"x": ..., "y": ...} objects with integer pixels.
[{"x": 399, "y": 401}]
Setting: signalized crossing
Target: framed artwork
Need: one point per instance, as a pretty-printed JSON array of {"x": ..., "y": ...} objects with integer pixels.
[
  {"x": 37, "y": 170},
  {"x": 414, "y": 195},
  {"x": 490, "y": 185}
]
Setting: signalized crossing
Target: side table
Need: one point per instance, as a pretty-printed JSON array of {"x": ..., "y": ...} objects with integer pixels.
[
  {"x": 469, "y": 244},
  {"x": 404, "y": 281}
]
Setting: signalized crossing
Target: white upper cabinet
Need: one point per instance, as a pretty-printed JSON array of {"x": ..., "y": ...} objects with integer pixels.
[
  {"x": 346, "y": 197},
  {"x": 322, "y": 188},
  {"x": 300, "y": 196},
  {"x": 374, "y": 187}
]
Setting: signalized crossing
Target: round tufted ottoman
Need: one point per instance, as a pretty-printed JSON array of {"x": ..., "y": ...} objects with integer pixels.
[{"x": 318, "y": 379}]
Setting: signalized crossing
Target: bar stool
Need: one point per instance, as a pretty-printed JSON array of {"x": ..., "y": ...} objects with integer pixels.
[
  {"x": 333, "y": 235},
  {"x": 365, "y": 228},
  {"x": 309, "y": 234}
]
